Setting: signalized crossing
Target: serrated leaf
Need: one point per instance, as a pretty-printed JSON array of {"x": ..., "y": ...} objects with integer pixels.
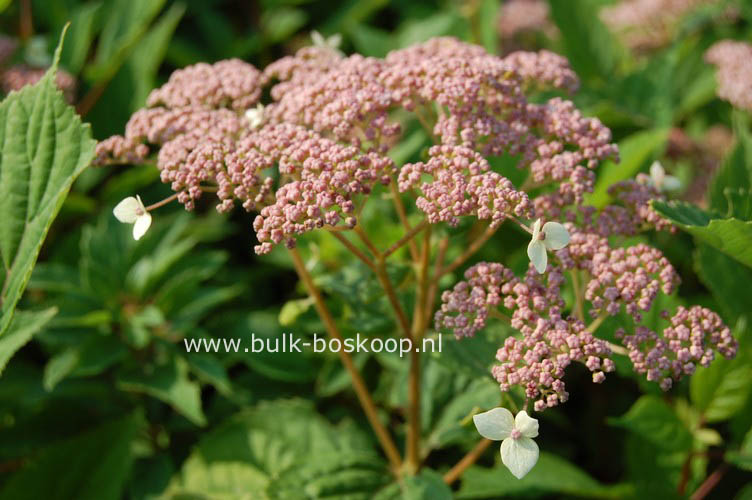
[
  {"x": 91, "y": 466},
  {"x": 43, "y": 148},
  {"x": 731, "y": 236},
  {"x": 24, "y": 326},
  {"x": 654, "y": 421}
]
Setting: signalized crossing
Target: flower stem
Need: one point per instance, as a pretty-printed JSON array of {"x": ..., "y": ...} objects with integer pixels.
[
  {"x": 579, "y": 304},
  {"x": 359, "y": 385},
  {"x": 406, "y": 238},
  {"x": 710, "y": 482},
  {"x": 400, "y": 208},
  {"x": 161, "y": 203},
  {"x": 355, "y": 250},
  {"x": 592, "y": 327},
  {"x": 472, "y": 456}
]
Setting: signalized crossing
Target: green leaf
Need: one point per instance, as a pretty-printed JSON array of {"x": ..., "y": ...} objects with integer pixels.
[
  {"x": 551, "y": 475},
  {"x": 731, "y": 236},
  {"x": 24, "y": 326},
  {"x": 91, "y": 466},
  {"x": 590, "y": 47},
  {"x": 43, "y": 148},
  {"x": 170, "y": 384},
  {"x": 282, "y": 446},
  {"x": 634, "y": 153},
  {"x": 735, "y": 173},
  {"x": 653, "y": 420},
  {"x": 727, "y": 279},
  {"x": 81, "y": 37},
  {"x": 720, "y": 390},
  {"x": 428, "y": 485},
  {"x": 743, "y": 457}
]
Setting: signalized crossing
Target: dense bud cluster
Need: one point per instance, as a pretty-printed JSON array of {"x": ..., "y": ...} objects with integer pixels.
[
  {"x": 549, "y": 342},
  {"x": 734, "y": 61},
  {"x": 689, "y": 341}
]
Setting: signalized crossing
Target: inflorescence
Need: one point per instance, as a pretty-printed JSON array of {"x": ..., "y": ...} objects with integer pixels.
[{"x": 311, "y": 156}]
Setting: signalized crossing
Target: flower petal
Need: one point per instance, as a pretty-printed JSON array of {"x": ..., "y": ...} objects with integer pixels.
[
  {"x": 536, "y": 250},
  {"x": 519, "y": 455},
  {"x": 557, "y": 236},
  {"x": 317, "y": 39},
  {"x": 527, "y": 425},
  {"x": 141, "y": 226},
  {"x": 127, "y": 210},
  {"x": 657, "y": 173},
  {"x": 671, "y": 183},
  {"x": 334, "y": 41},
  {"x": 536, "y": 229},
  {"x": 496, "y": 424}
]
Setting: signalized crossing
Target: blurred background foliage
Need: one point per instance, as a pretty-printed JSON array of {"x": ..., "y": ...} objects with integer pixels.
[{"x": 105, "y": 402}]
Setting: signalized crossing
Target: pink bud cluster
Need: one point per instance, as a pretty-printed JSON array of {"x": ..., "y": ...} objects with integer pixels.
[
  {"x": 690, "y": 340},
  {"x": 462, "y": 184},
  {"x": 647, "y": 24},
  {"x": 18, "y": 76},
  {"x": 549, "y": 343},
  {"x": 230, "y": 84},
  {"x": 632, "y": 212},
  {"x": 734, "y": 62},
  {"x": 620, "y": 278},
  {"x": 519, "y": 17}
]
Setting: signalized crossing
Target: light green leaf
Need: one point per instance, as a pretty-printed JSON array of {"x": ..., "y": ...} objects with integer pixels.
[
  {"x": 24, "y": 326},
  {"x": 634, "y": 153},
  {"x": 292, "y": 309},
  {"x": 731, "y": 236},
  {"x": 91, "y": 466},
  {"x": 43, "y": 148},
  {"x": 590, "y": 47},
  {"x": 169, "y": 383},
  {"x": 720, "y": 390},
  {"x": 552, "y": 475},
  {"x": 654, "y": 421}
]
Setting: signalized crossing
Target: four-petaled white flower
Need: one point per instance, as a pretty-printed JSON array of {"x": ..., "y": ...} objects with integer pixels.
[
  {"x": 132, "y": 211},
  {"x": 518, "y": 450},
  {"x": 255, "y": 116},
  {"x": 331, "y": 43},
  {"x": 553, "y": 236},
  {"x": 660, "y": 181}
]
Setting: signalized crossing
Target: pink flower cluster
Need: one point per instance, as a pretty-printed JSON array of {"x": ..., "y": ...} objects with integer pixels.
[
  {"x": 549, "y": 343},
  {"x": 734, "y": 62},
  {"x": 518, "y": 17},
  {"x": 690, "y": 340},
  {"x": 648, "y": 24},
  {"x": 462, "y": 184},
  {"x": 476, "y": 101},
  {"x": 626, "y": 279},
  {"x": 18, "y": 76}
]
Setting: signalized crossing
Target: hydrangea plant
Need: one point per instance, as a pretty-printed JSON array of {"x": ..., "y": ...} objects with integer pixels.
[{"x": 306, "y": 143}]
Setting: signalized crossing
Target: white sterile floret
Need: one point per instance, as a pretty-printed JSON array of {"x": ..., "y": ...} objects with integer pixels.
[
  {"x": 518, "y": 450},
  {"x": 552, "y": 236},
  {"x": 255, "y": 116},
  {"x": 132, "y": 211},
  {"x": 660, "y": 181},
  {"x": 332, "y": 43}
]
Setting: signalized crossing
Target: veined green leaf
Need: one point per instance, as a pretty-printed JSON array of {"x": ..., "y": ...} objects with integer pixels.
[
  {"x": 731, "y": 236},
  {"x": 656, "y": 422},
  {"x": 43, "y": 148}
]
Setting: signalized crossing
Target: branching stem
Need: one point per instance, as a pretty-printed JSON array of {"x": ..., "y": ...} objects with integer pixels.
[{"x": 359, "y": 385}]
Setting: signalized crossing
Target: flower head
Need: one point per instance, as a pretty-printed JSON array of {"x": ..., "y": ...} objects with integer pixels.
[
  {"x": 552, "y": 236},
  {"x": 518, "y": 450},
  {"x": 255, "y": 116},
  {"x": 132, "y": 211}
]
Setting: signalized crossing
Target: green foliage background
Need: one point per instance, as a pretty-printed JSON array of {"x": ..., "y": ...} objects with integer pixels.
[{"x": 100, "y": 399}]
